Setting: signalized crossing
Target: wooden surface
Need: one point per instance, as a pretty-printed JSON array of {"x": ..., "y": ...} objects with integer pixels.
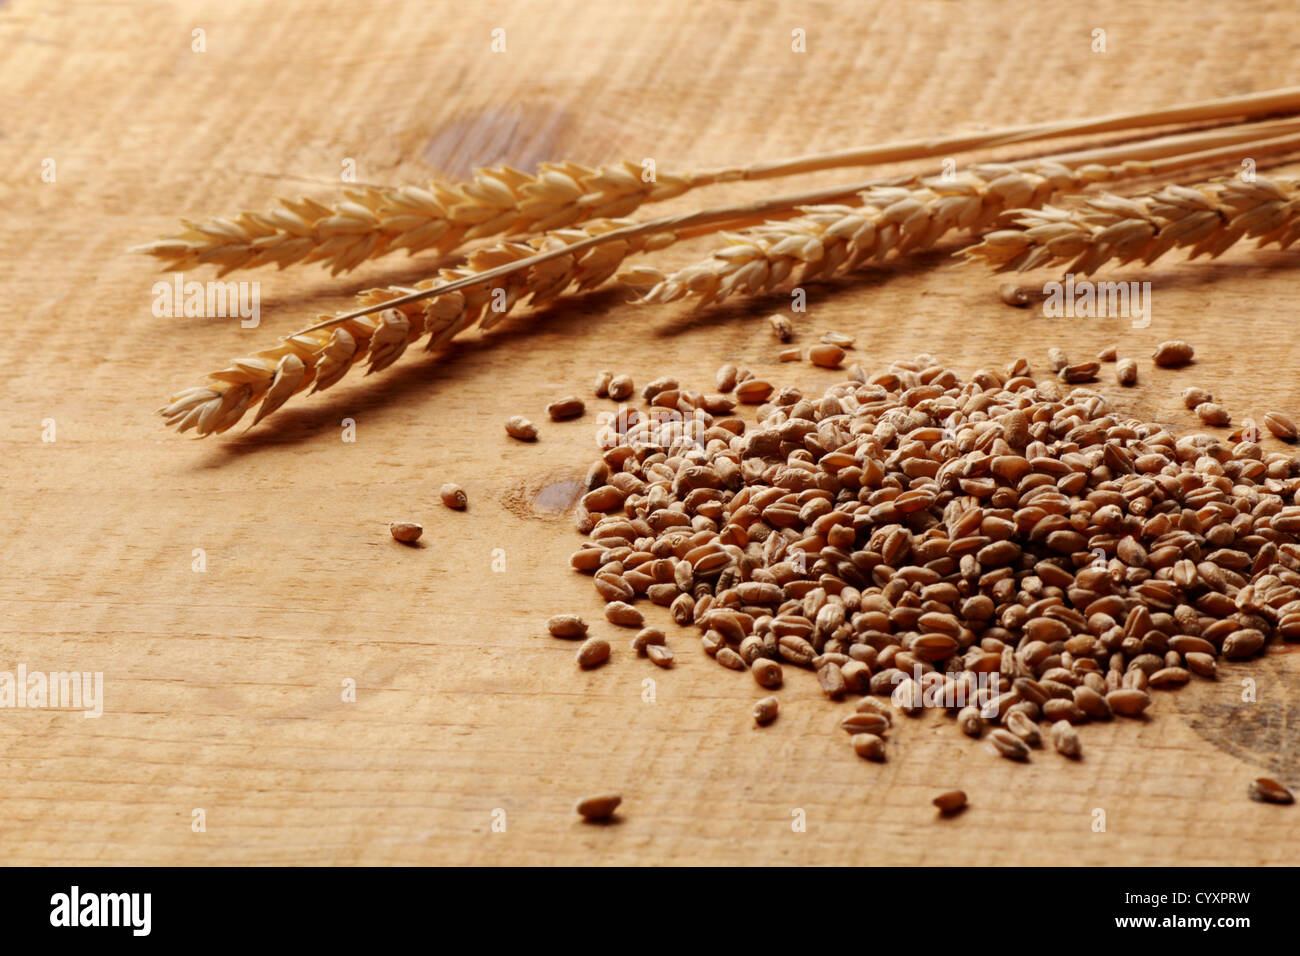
[{"x": 223, "y": 689}]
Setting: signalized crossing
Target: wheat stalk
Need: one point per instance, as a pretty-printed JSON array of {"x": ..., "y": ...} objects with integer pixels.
[
  {"x": 840, "y": 238},
  {"x": 321, "y": 357},
  {"x": 1209, "y": 218},
  {"x": 831, "y": 239},
  {"x": 540, "y": 269},
  {"x": 374, "y": 221}
]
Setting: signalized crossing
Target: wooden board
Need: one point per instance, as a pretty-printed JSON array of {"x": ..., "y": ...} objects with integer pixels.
[{"x": 223, "y": 689}]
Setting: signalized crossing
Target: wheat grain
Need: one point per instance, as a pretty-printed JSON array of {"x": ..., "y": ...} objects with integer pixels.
[{"x": 1208, "y": 219}]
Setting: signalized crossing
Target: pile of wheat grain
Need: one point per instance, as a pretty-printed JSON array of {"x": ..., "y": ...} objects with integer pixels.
[{"x": 999, "y": 548}]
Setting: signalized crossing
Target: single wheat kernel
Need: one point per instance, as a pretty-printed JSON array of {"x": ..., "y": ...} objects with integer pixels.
[
  {"x": 407, "y": 532},
  {"x": 827, "y": 356},
  {"x": 1057, "y": 359},
  {"x": 603, "y": 378},
  {"x": 1108, "y": 354},
  {"x": 729, "y": 659},
  {"x": 790, "y": 355},
  {"x": 647, "y": 636},
  {"x": 838, "y": 338},
  {"x": 1080, "y": 372},
  {"x": 621, "y": 388},
  {"x": 519, "y": 427},
  {"x": 1128, "y": 701},
  {"x": 1008, "y": 744},
  {"x": 1014, "y": 295},
  {"x": 754, "y": 391},
  {"x": 1126, "y": 371},
  {"x": 725, "y": 379},
  {"x": 599, "y": 807},
  {"x": 659, "y": 654},
  {"x": 765, "y": 711},
  {"x": 1281, "y": 426},
  {"x": 1024, "y": 728},
  {"x": 970, "y": 721},
  {"x": 567, "y": 625},
  {"x": 868, "y": 746},
  {"x": 565, "y": 408},
  {"x": 1213, "y": 414},
  {"x": 624, "y": 615},
  {"x": 1173, "y": 353},
  {"x": 767, "y": 673},
  {"x": 950, "y": 801},
  {"x": 662, "y": 384},
  {"x": 1266, "y": 790},
  {"x": 782, "y": 328},
  {"x": 1194, "y": 396},
  {"x": 593, "y": 652},
  {"x": 1065, "y": 739},
  {"x": 453, "y": 496},
  {"x": 865, "y": 724}
]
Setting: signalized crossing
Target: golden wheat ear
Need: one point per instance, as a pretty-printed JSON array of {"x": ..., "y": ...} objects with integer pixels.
[
  {"x": 370, "y": 222},
  {"x": 375, "y": 221},
  {"x": 1207, "y": 219}
]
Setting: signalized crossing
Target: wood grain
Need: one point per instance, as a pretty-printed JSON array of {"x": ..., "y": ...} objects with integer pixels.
[{"x": 223, "y": 689}]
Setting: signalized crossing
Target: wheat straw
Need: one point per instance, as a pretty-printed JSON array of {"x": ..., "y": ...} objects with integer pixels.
[
  {"x": 374, "y": 221},
  {"x": 1208, "y": 218}
]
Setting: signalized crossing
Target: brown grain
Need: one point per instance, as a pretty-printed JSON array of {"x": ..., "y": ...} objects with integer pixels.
[
  {"x": 826, "y": 356},
  {"x": 407, "y": 532},
  {"x": 1281, "y": 426},
  {"x": 598, "y": 807},
  {"x": 1065, "y": 739},
  {"x": 782, "y": 327},
  {"x": 521, "y": 428},
  {"x": 453, "y": 496},
  {"x": 1213, "y": 414},
  {"x": 1267, "y": 790},
  {"x": 567, "y": 626},
  {"x": 950, "y": 801},
  {"x": 1173, "y": 353},
  {"x": 1126, "y": 371},
  {"x": 1008, "y": 744},
  {"x": 593, "y": 652},
  {"x": 565, "y": 408},
  {"x": 868, "y": 746}
]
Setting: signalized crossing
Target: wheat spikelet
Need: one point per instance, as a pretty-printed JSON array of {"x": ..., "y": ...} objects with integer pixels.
[
  {"x": 1208, "y": 218},
  {"x": 375, "y": 221},
  {"x": 319, "y": 358},
  {"x": 838, "y": 238}
]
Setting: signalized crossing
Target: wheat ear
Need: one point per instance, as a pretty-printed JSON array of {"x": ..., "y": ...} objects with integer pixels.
[
  {"x": 1208, "y": 218},
  {"x": 831, "y": 239},
  {"x": 373, "y": 221},
  {"x": 319, "y": 358},
  {"x": 539, "y": 269},
  {"x": 840, "y": 238}
]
